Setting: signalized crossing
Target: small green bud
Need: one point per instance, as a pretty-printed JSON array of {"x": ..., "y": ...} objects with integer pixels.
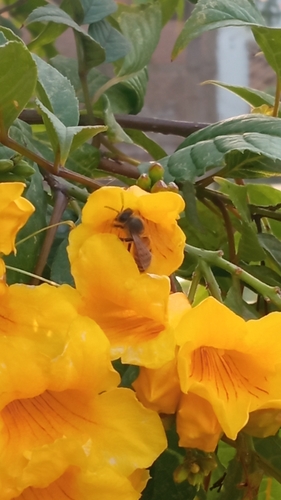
[
  {"x": 144, "y": 182},
  {"x": 173, "y": 187},
  {"x": 23, "y": 169},
  {"x": 6, "y": 165},
  {"x": 156, "y": 172},
  {"x": 159, "y": 186}
]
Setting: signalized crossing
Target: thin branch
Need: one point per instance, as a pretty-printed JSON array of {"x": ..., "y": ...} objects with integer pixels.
[{"x": 157, "y": 125}]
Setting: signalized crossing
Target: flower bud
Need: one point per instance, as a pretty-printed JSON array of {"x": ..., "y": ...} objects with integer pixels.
[
  {"x": 173, "y": 187},
  {"x": 6, "y": 165},
  {"x": 144, "y": 182},
  {"x": 156, "y": 172},
  {"x": 23, "y": 169},
  {"x": 159, "y": 186}
]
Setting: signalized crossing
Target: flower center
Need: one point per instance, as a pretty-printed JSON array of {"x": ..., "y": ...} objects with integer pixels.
[{"x": 230, "y": 372}]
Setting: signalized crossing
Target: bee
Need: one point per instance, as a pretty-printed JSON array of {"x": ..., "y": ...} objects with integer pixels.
[{"x": 134, "y": 227}]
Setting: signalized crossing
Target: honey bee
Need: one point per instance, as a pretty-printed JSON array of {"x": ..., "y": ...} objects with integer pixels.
[{"x": 134, "y": 227}]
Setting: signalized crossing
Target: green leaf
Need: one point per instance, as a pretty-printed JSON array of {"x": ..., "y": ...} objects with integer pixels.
[
  {"x": 270, "y": 450},
  {"x": 248, "y": 146},
  {"x": 270, "y": 489},
  {"x": 95, "y": 10},
  {"x": 142, "y": 140},
  {"x": 125, "y": 97},
  {"x": 60, "y": 268},
  {"x": 93, "y": 52},
  {"x": 263, "y": 195},
  {"x": 17, "y": 81},
  {"x": 250, "y": 248},
  {"x": 142, "y": 27},
  {"x": 48, "y": 35},
  {"x": 10, "y": 35},
  {"x": 268, "y": 40},
  {"x": 84, "y": 160},
  {"x": 28, "y": 251},
  {"x": 272, "y": 246},
  {"x": 235, "y": 302},
  {"x": 253, "y": 97},
  {"x": 168, "y": 8},
  {"x": 57, "y": 93},
  {"x": 114, "y": 43},
  {"x": 64, "y": 140},
  {"x": 212, "y": 14},
  {"x": 115, "y": 132},
  {"x": 161, "y": 485},
  {"x": 238, "y": 195}
]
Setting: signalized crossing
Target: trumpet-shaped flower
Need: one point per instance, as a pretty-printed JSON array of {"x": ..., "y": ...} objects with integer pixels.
[
  {"x": 158, "y": 213},
  {"x": 231, "y": 363},
  {"x": 14, "y": 213},
  {"x": 58, "y": 394},
  {"x": 131, "y": 307}
]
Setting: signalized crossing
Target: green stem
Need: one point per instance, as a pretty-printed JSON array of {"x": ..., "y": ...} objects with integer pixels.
[
  {"x": 209, "y": 277},
  {"x": 277, "y": 98},
  {"x": 196, "y": 277},
  {"x": 214, "y": 258}
]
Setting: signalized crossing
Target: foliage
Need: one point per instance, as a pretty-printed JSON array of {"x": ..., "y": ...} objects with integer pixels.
[{"x": 62, "y": 121}]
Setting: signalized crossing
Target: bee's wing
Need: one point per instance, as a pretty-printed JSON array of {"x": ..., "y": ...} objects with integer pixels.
[{"x": 142, "y": 254}]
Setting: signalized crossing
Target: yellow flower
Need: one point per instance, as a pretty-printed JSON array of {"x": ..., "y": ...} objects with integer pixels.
[
  {"x": 131, "y": 307},
  {"x": 231, "y": 363},
  {"x": 158, "y": 213},
  {"x": 61, "y": 416},
  {"x": 14, "y": 213}
]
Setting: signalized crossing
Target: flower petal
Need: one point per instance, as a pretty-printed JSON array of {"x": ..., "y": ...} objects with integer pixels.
[
  {"x": 14, "y": 213},
  {"x": 197, "y": 424}
]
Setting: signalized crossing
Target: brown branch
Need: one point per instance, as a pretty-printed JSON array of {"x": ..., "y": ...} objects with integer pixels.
[
  {"x": 119, "y": 168},
  {"x": 157, "y": 125}
]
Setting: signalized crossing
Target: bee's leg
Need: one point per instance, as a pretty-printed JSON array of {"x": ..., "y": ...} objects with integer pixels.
[{"x": 129, "y": 241}]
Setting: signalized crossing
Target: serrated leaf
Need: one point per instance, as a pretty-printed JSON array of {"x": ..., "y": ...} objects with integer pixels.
[
  {"x": 17, "y": 81},
  {"x": 212, "y": 14},
  {"x": 142, "y": 140},
  {"x": 115, "y": 132},
  {"x": 142, "y": 27},
  {"x": 94, "y": 54},
  {"x": 64, "y": 140},
  {"x": 10, "y": 35},
  {"x": 95, "y": 10},
  {"x": 238, "y": 195},
  {"x": 57, "y": 93},
  {"x": 28, "y": 251},
  {"x": 114, "y": 43},
  {"x": 255, "y": 98},
  {"x": 247, "y": 146}
]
